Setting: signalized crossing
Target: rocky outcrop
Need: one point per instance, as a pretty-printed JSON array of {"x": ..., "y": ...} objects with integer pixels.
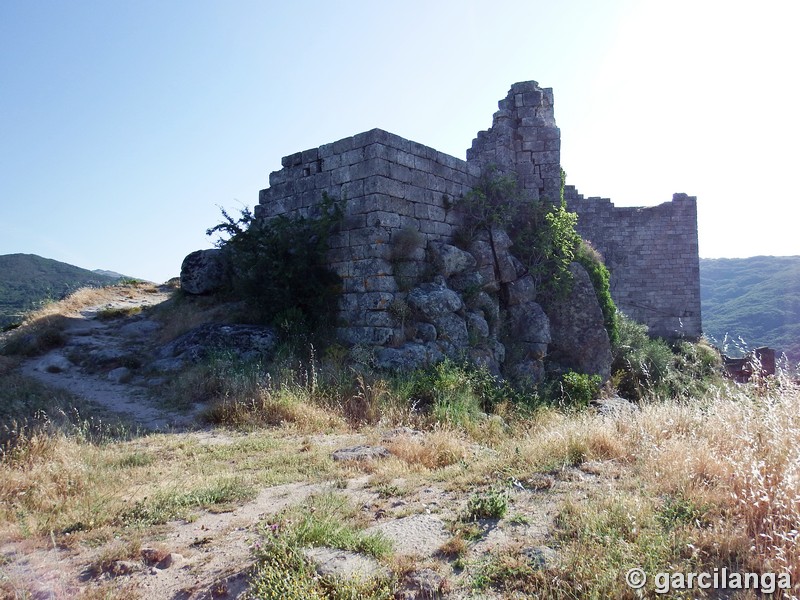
[
  {"x": 205, "y": 271},
  {"x": 579, "y": 338},
  {"x": 243, "y": 341}
]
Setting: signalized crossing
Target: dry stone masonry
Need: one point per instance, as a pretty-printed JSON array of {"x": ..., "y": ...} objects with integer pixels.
[
  {"x": 653, "y": 258},
  {"x": 413, "y": 296}
]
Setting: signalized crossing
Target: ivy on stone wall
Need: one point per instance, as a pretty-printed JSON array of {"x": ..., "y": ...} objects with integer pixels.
[
  {"x": 591, "y": 260},
  {"x": 279, "y": 265}
]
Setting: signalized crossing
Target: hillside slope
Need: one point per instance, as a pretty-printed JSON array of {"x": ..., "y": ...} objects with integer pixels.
[
  {"x": 26, "y": 280},
  {"x": 756, "y": 299}
]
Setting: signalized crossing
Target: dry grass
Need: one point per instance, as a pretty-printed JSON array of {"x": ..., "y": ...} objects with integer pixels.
[
  {"x": 268, "y": 407},
  {"x": 183, "y": 312},
  {"x": 62, "y": 484},
  {"x": 437, "y": 449}
]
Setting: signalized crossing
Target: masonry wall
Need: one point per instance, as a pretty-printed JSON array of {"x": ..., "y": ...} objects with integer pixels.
[
  {"x": 390, "y": 185},
  {"x": 393, "y": 185},
  {"x": 523, "y": 140},
  {"x": 652, "y": 254}
]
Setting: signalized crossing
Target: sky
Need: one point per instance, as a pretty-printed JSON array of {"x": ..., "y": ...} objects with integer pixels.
[{"x": 125, "y": 125}]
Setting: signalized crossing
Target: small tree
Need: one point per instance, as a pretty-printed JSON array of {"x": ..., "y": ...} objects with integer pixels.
[{"x": 279, "y": 265}]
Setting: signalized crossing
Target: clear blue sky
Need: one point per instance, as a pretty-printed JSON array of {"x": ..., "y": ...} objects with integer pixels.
[{"x": 123, "y": 124}]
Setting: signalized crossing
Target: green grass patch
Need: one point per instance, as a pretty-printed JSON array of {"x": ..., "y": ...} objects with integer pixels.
[
  {"x": 282, "y": 570},
  {"x": 168, "y": 505}
]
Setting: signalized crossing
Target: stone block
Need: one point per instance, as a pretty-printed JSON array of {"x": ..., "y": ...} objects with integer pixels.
[
  {"x": 367, "y": 235},
  {"x": 383, "y": 185},
  {"x": 379, "y": 151},
  {"x": 380, "y": 283},
  {"x": 406, "y": 159},
  {"x": 429, "y": 213},
  {"x": 416, "y": 194},
  {"x": 292, "y": 160},
  {"x": 532, "y": 98},
  {"x": 352, "y": 189},
  {"x": 378, "y": 318},
  {"x": 343, "y": 145},
  {"x": 310, "y": 156},
  {"x": 332, "y": 162},
  {"x": 421, "y": 179},
  {"x": 409, "y": 223},
  {"x": 353, "y": 156},
  {"x": 383, "y": 219},
  {"x": 375, "y": 300},
  {"x": 277, "y": 177},
  {"x": 341, "y": 175},
  {"x": 398, "y": 172}
]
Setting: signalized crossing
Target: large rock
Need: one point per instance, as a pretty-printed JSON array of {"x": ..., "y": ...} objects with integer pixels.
[
  {"x": 433, "y": 300},
  {"x": 408, "y": 357},
  {"x": 449, "y": 260},
  {"x": 529, "y": 323},
  {"x": 451, "y": 328},
  {"x": 579, "y": 338},
  {"x": 243, "y": 341},
  {"x": 205, "y": 271}
]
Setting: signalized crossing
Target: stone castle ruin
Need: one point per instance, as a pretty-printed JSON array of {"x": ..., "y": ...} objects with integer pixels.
[{"x": 412, "y": 295}]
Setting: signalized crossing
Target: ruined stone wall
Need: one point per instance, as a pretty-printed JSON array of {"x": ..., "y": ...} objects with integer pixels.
[
  {"x": 523, "y": 140},
  {"x": 652, "y": 255},
  {"x": 394, "y": 187},
  {"x": 391, "y": 185}
]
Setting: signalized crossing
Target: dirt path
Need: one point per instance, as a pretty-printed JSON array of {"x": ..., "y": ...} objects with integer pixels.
[{"x": 89, "y": 364}]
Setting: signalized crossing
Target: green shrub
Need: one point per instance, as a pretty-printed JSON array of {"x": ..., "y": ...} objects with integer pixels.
[
  {"x": 457, "y": 393},
  {"x": 278, "y": 265},
  {"x": 644, "y": 367},
  {"x": 579, "y": 389},
  {"x": 591, "y": 260}
]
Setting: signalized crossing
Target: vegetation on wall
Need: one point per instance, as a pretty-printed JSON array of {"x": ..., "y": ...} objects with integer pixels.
[
  {"x": 279, "y": 265},
  {"x": 543, "y": 232},
  {"x": 591, "y": 260}
]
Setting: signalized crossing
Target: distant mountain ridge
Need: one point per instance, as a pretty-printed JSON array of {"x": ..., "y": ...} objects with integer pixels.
[
  {"x": 26, "y": 280},
  {"x": 756, "y": 299}
]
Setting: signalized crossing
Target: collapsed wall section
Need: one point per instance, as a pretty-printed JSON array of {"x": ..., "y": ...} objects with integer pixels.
[
  {"x": 392, "y": 188},
  {"x": 652, "y": 255}
]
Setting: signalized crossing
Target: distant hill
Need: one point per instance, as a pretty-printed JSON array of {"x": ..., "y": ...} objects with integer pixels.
[
  {"x": 112, "y": 274},
  {"x": 26, "y": 280},
  {"x": 756, "y": 299}
]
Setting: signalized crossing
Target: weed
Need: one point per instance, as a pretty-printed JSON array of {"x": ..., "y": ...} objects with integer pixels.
[
  {"x": 439, "y": 448},
  {"x": 591, "y": 260},
  {"x": 491, "y": 504},
  {"x": 405, "y": 243}
]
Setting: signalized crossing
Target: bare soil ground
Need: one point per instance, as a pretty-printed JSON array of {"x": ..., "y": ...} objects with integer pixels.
[{"x": 208, "y": 554}]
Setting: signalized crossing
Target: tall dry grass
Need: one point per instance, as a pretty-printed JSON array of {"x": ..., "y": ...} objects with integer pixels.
[{"x": 734, "y": 454}]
